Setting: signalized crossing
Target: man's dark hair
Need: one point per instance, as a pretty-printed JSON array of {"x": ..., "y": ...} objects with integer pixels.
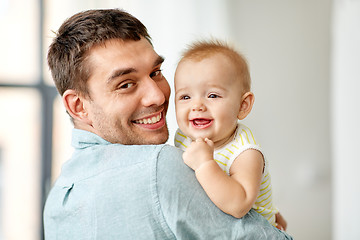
[{"x": 67, "y": 56}]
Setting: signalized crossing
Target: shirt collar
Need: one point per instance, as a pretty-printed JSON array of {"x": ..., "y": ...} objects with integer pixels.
[{"x": 83, "y": 139}]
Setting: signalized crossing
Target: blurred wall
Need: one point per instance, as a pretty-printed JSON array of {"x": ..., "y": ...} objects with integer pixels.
[
  {"x": 345, "y": 100},
  {"x": 305, "y": 59},
  {"x": 288, "y": 47}
]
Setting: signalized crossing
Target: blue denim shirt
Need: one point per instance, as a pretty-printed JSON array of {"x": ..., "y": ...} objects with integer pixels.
[{"x": 113, "y": 191}]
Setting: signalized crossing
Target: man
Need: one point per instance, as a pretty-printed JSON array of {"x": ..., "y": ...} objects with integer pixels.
[{"x": 122, "y": 182}]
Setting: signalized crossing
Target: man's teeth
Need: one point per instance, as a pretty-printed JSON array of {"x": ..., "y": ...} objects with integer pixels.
[{"x": 152, "y": 120}]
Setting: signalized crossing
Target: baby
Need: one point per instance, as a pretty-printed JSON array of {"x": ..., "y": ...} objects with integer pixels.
[{"x": 212, "y": 93}]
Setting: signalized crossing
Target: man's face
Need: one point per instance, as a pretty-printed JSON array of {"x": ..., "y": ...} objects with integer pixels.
[{"x": 128, "y": 94}]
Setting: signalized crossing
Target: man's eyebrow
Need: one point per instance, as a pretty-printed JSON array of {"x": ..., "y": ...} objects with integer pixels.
[
  {"x": 159, "y": 60},
  {"x": 123, "y": 71},
  {"x": 120, "y": 72}
]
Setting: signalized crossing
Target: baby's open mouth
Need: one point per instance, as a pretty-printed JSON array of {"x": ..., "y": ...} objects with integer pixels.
[{"x": 201, "y": 122}]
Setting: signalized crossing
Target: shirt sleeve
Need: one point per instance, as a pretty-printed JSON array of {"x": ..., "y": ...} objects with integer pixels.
[{"x": 190, "y": 214}]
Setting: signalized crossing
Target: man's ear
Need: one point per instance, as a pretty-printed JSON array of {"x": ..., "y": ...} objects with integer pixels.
[
  {"x": 74, "y": 105},
  {"x": 247, "y": 102}
]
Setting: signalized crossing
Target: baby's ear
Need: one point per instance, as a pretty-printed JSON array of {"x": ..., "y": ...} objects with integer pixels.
[{"x": 247, "y": 102}]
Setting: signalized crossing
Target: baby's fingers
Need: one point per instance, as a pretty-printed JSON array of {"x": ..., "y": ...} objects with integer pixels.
[
  {"x": 209, "y": 142},
  {"x": 199, "y": 140}
]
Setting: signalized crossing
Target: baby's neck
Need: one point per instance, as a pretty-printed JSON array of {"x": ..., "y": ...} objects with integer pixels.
[{"x": 221, "y": 143}]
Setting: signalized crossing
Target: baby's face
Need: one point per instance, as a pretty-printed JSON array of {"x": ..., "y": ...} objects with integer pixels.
[{"x": 207, "y": 98}]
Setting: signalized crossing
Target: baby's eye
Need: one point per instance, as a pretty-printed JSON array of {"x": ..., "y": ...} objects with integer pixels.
[
  {"x": 213, "y": 95},
  {"x": 185, "y": 97}
]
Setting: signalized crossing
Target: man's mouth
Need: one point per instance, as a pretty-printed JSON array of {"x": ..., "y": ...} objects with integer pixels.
[{"x": 150, "y": 120}]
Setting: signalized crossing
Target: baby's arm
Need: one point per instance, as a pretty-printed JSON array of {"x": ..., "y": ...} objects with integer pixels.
[{"x": 234, "y": 194}]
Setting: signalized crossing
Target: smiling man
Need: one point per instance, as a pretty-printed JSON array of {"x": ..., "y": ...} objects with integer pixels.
[
  {"x": 122, "y": 181},
  {"x": 127, "y": 94}
]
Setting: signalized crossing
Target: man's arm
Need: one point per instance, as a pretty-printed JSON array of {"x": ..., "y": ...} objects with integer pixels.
[{"x": 189, "y": 212}]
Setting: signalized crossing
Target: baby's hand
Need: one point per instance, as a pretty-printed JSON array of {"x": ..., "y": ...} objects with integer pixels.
[
  {"x": 281, "y": 222},
  {"x": 199, "y": 152}
]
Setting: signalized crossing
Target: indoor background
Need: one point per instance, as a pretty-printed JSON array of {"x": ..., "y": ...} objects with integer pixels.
[{"x": 304, "y": 59}]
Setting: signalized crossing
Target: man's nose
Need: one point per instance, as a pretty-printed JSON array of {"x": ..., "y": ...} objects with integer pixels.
[{"x": 153, "y": 94}]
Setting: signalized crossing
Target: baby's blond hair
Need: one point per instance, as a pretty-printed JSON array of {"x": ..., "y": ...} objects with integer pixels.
[{"x": 202, "y": 49}]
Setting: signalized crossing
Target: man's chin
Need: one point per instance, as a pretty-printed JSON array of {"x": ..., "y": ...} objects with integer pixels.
[
  {"x": 160, "y": 139},
  {"x": 150, "y": 138},
  {"x": 153, "y": 137}
]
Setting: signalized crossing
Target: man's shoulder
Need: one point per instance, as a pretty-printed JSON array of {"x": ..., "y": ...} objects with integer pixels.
[
  {"x": 169, "y": 149},
  {"x": 170, "y": 155},
  {"x": 161, "y": 150}
]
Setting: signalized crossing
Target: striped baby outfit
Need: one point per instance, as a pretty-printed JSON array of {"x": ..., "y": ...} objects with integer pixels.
[{"x": 225, "y": 156}]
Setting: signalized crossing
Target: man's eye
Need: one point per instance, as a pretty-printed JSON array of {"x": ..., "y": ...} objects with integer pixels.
[
  {"x": 212, "y": 95},
  {"x": 157, "y": 74},
  {"x": 126, "y": 85}
]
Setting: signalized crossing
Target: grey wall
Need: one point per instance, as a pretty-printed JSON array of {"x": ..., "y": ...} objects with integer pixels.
[
  {"x": 288, "y": 47},
  {"x": 345, "y": 118}
]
